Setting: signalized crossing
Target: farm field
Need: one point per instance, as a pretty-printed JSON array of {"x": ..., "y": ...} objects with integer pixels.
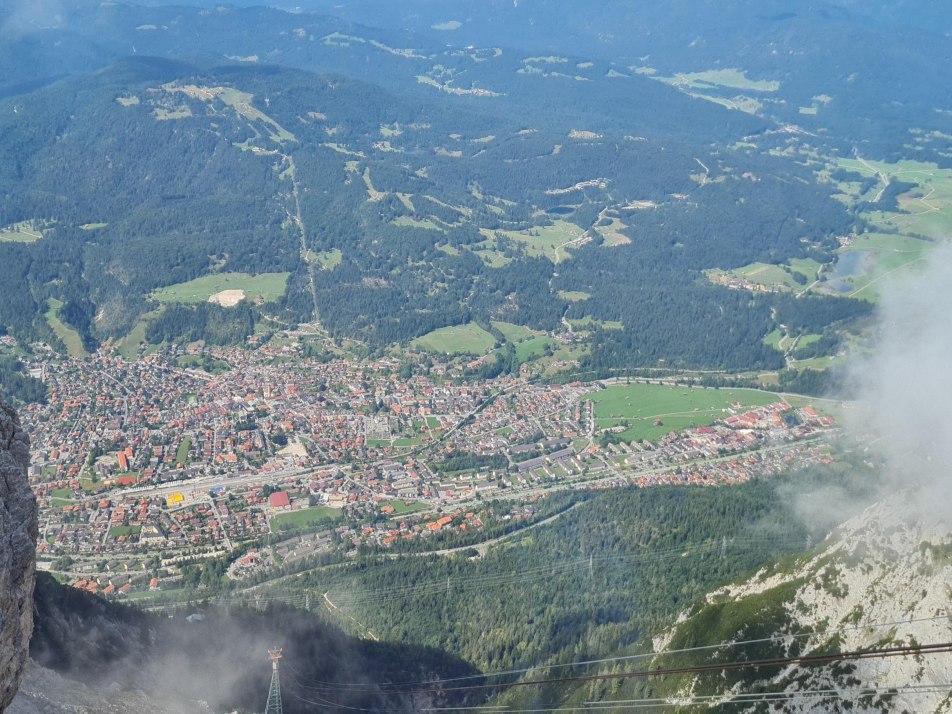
[
  {"x": 313, "y": 517},
  {"x": 265, "y": 287},
  {"x": 458, "y": 339},
  {"x": 772, "y": 276},
  {"x": 781, "y": 277},
  {"x": 641, "y": 405}
]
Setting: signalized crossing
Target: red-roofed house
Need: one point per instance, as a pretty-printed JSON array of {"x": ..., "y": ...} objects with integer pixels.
[{"x": 279, "y": 499}]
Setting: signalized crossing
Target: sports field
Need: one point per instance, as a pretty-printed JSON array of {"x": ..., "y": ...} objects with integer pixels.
[
  {"x": 315, "y": 517},
  {"x": 640, "y": 406}
]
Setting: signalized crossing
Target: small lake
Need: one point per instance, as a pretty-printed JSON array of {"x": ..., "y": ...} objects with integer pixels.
[
  {"x": 561, "y": 210},
  {"x": 850, "y": 264}
]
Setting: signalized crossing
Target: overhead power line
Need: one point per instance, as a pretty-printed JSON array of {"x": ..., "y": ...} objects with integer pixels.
[
  {"x": 343, "y": 686},
  {"x": 849, "y": 693}
]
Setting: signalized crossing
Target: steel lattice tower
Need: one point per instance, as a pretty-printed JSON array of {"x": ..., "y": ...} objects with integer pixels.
[{"x": 274, "y": 693}]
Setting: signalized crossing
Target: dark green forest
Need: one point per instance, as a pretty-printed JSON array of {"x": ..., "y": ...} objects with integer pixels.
[
  {"x": 603, "y": 576},
  {"x": 160, "y": 202}
]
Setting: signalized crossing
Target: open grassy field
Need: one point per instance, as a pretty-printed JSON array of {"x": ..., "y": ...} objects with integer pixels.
[
  {"x": 61, "y": 497},
  {"x": 807, "y": 267},
  {"x": 128, "y": 346},
  {"x": 543, "y": 241},
  {"x": 22, "y": 232},
  {"x": 573, "y": 295},
  {"x": 774, "y": 340},
  {"x": 308, "y": 518},
  {"x": 372, "y": 193},
  {"x": 117, "y": 531},
  {"x": 458, "y": 339},
  {"x": 515, "y": 333},
  {"x": 408, "y": 222},
  {"x": 732, "y": 78},
  {"x": 266, "y": 287},
  {"x": 641, "y": 405},
  {"x": 530, "y": 349},
  {"x": 492, "y": 257},
  {"x": 401, "y": 507},
  {"x": 327, "y": 259},
  {"x": 69, "y": 336},
  {"x": 772, "y": 276},
  {"x": 612, "y": 233},
  {"x": 889, "y": 255},
  {"x": 588, "y": 323},
  {"x": 926, "y": 211},
  {"x": 181, "y": 455}
]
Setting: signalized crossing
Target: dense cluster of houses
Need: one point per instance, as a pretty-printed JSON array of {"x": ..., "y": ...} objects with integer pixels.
[{"x": 158, "y": 456}]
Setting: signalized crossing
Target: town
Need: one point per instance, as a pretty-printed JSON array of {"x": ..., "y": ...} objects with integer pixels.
[{"x": 268, "y": 455}]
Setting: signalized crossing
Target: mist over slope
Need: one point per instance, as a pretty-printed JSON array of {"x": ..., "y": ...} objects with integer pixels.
[
  {"x": 218, "y": 659},
  {"x": 879, "y": 580}
]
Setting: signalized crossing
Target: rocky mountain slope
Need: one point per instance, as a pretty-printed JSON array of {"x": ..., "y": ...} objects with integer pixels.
[
  {"x": 18, "y": 530},
  {"x": 44, "y": 691},
  {"x": 880, "y": 580}
]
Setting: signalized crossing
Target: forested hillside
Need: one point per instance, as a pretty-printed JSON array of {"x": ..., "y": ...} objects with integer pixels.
[
  {"x": 392, "y": 216},
  {"x": 603, "y": 577}
]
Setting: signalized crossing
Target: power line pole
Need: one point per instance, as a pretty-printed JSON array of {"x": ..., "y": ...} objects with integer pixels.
[{"x": 274, "y": 693}]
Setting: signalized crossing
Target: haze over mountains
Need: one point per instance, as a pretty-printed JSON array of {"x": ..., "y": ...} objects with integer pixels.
[{"x": 481, "y": 230}]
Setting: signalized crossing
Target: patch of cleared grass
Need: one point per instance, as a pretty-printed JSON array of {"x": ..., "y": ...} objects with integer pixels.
[
  {"x": 266, "y": 287},
  {"x": 408, "y": 222},
  {"x": 327, "y": 259},
  {"x": 574, "y": 295},
  {"x": 70, "y": 337},
  {"x": 531, "y": 349},
  {"x": 458, "y": 339},
  {"x": 732, "y": 78},
  {"x": 515, "y": 333}
]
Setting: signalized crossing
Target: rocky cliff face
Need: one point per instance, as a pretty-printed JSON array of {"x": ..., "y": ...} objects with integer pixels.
[
  {"x": 882, "y": 579},
  {"x": 18, "y": 530}
]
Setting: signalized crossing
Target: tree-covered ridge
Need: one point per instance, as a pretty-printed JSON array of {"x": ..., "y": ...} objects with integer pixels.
[
  {"x": 437, "y": 216},
  {"x": 604, "y": 575}
]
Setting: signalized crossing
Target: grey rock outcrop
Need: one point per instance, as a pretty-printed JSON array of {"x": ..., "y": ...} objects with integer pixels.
[{"x": 18, "y": 531}]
